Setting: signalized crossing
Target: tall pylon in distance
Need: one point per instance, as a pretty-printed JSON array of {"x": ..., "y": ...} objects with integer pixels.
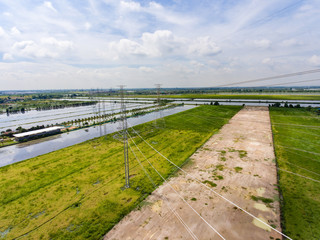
[
  {"x": 125, "y": 136},
  {"x": 158, "y": 86},
  {"x": 159, "y": 121}
]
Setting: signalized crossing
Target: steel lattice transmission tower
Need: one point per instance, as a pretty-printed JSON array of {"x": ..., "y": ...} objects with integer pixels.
[
  {"x": 159, "y": 123},
  {"x": 125, "y": 136},
  {"x": 158, "y": 86}
]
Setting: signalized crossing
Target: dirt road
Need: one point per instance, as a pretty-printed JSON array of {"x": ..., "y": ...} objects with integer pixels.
[{"x": 238, "y": 163}]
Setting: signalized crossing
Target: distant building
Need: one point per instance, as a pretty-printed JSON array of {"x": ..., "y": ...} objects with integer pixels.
[{"x": 20, "y": 137}]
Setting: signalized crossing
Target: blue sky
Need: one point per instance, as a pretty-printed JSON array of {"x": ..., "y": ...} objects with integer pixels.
[{"x": 178, "y": 43}]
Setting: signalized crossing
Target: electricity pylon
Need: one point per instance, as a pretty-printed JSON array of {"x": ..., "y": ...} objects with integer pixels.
[
  {"x": 125, "y": 136},
  {"x": 160, "y": 121}
]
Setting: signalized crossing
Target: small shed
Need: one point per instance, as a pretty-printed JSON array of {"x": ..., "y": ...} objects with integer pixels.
[{"x": 20, "y": 137}]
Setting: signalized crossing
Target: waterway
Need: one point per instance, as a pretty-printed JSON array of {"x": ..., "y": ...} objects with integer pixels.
[
  {"x": 47, "y": 117},
  {"x": 248, "y": 102},
  {"x": 23, "y": 151}
]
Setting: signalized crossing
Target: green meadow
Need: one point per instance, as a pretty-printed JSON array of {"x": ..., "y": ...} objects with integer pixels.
[
  {"x": 297, "y": 139},
  {"x": 78, "y": 192},
  {"x": 243, "y": 96}
]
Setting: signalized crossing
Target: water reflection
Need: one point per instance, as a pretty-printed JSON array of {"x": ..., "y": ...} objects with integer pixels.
[
  {"x": 23, "y": 151},
  {"x": 45, "y": 117}
]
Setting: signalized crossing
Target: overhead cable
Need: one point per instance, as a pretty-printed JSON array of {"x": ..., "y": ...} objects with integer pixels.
[
  {"x": 178, "y": 193},
  {"x": 271, "y": 78},
  {"x": 232, "y": 203},
  {"x": 163, "y": 197}
]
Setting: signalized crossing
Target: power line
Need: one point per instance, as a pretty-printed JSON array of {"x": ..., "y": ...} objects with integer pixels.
[
  {"x": 298, "y": 149},
  {"x": 302, "y": 168},
  {"x": 163, "y": 197},
  {"x": 234, "y": 204},
  {"x": 287, "y": 147},
  {"x": 283, "y": 124},
  {"x": 72, "y": 204},
  {"x": 176, "y": 191},
  {"x": 264, "y": 20},
  {"x": 159, "y": 122},
  {"x": 273, "y": 77},
  {"x": 280, "y": 84},
  {"x": 298, "y": 175},
  {"x": 125, "y": 137},
  {"x": 295, "y": 153},
  {"x": 271, "y": 16},
  {"x": 281, "y": 169}
]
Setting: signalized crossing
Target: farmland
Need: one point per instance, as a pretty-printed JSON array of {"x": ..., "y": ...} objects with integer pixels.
[
  {"x": 77, "y": 192},
  {"x": 296, "y": 140},
  {"x": 18, "y": 105},
  {"x": 244, "y": 96}
]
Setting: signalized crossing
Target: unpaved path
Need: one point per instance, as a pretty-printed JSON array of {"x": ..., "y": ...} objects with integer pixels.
[{"x": 240, "y": 160}]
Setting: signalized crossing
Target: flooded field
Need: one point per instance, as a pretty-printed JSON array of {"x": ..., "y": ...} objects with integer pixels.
[
  {"x": 23, "y": 151},
  {"x": 48, "y": 117},
  {"x": 236, "y": 102}
]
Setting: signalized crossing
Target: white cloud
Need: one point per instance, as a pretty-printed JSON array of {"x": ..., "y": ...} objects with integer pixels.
[
  {"x": 130, "y": 5},
  {"x": 64, "y": 45},
  {"x": 157, "y": 10},
  {"x": 7, "y": 14},
  {"x": 163, "y": 43},
  {"x": 22, "y": 44},
  {"x": 290, "y": 43},
  {"x": 315, "y": 60},
  {"x": 146, "y": 69},
  {"x": 204, "y": 46},
  {"x": 15, "y": 31},
  {"x": 307, "y": 11},
  {"x": 262, "y": 43},
  {"x": 7, "y": 56},
  {"x": 125, "y": 48},
  {"x": 2, "y": 32},
  {"x": 214, "y": 63},
  {"x": 166, "y": 15},
  {"x": 212, "y": 39},
  {"x": 49, "y": 5},
  {"x": 87, "y": 26},
  {"x": 268, "y": 61},
  {"x": 155, "y": 6},
  {"x": 45, "y": 48},
  {"x": 30, "y": 49},
  {"x": 157, "y": 44}
]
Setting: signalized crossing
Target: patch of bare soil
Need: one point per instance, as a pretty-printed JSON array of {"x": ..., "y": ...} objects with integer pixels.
[{"x": 238, "y": 163}]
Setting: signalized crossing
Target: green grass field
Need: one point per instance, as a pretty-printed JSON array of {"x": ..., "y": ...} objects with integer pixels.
[
  {"x": 77, "y": 192},
  {"x": 242, "y": 96},
  {"x": 297, "y": 140}
]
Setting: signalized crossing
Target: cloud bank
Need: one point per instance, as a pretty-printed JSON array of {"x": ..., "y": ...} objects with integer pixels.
[{"x": 104, "y": 43}]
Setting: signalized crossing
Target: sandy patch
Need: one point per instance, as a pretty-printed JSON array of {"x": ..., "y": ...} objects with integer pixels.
[
  {"x": 235, "y": 163},
  {"x": 261, "y": 207},
  {"x": 156, "y": 207},
  {"x": 261, "y": 225}
]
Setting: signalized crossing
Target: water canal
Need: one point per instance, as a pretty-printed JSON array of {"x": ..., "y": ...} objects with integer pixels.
[
  {"x": 47, "y": 117},
  {"x": 23, "y": 151}
]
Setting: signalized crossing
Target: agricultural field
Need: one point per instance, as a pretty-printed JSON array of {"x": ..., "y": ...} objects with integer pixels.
[
  {"x": 238, "y": 96},
  {"x": 247, "y": 96},
  {"x": 297, "y": 140},
  {"x": 20, "y": 105},
  {"x": 78, "y": 192}
]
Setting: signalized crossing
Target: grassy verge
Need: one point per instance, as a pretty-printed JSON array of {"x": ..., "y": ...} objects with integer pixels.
[
  {"x": 7, "y": 143},
  {"x": 77, "y": 192},
  {"x": 297, "y": 140}
]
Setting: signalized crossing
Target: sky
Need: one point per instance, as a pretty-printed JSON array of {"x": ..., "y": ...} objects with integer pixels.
[{"x": 83, "y": 44}]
